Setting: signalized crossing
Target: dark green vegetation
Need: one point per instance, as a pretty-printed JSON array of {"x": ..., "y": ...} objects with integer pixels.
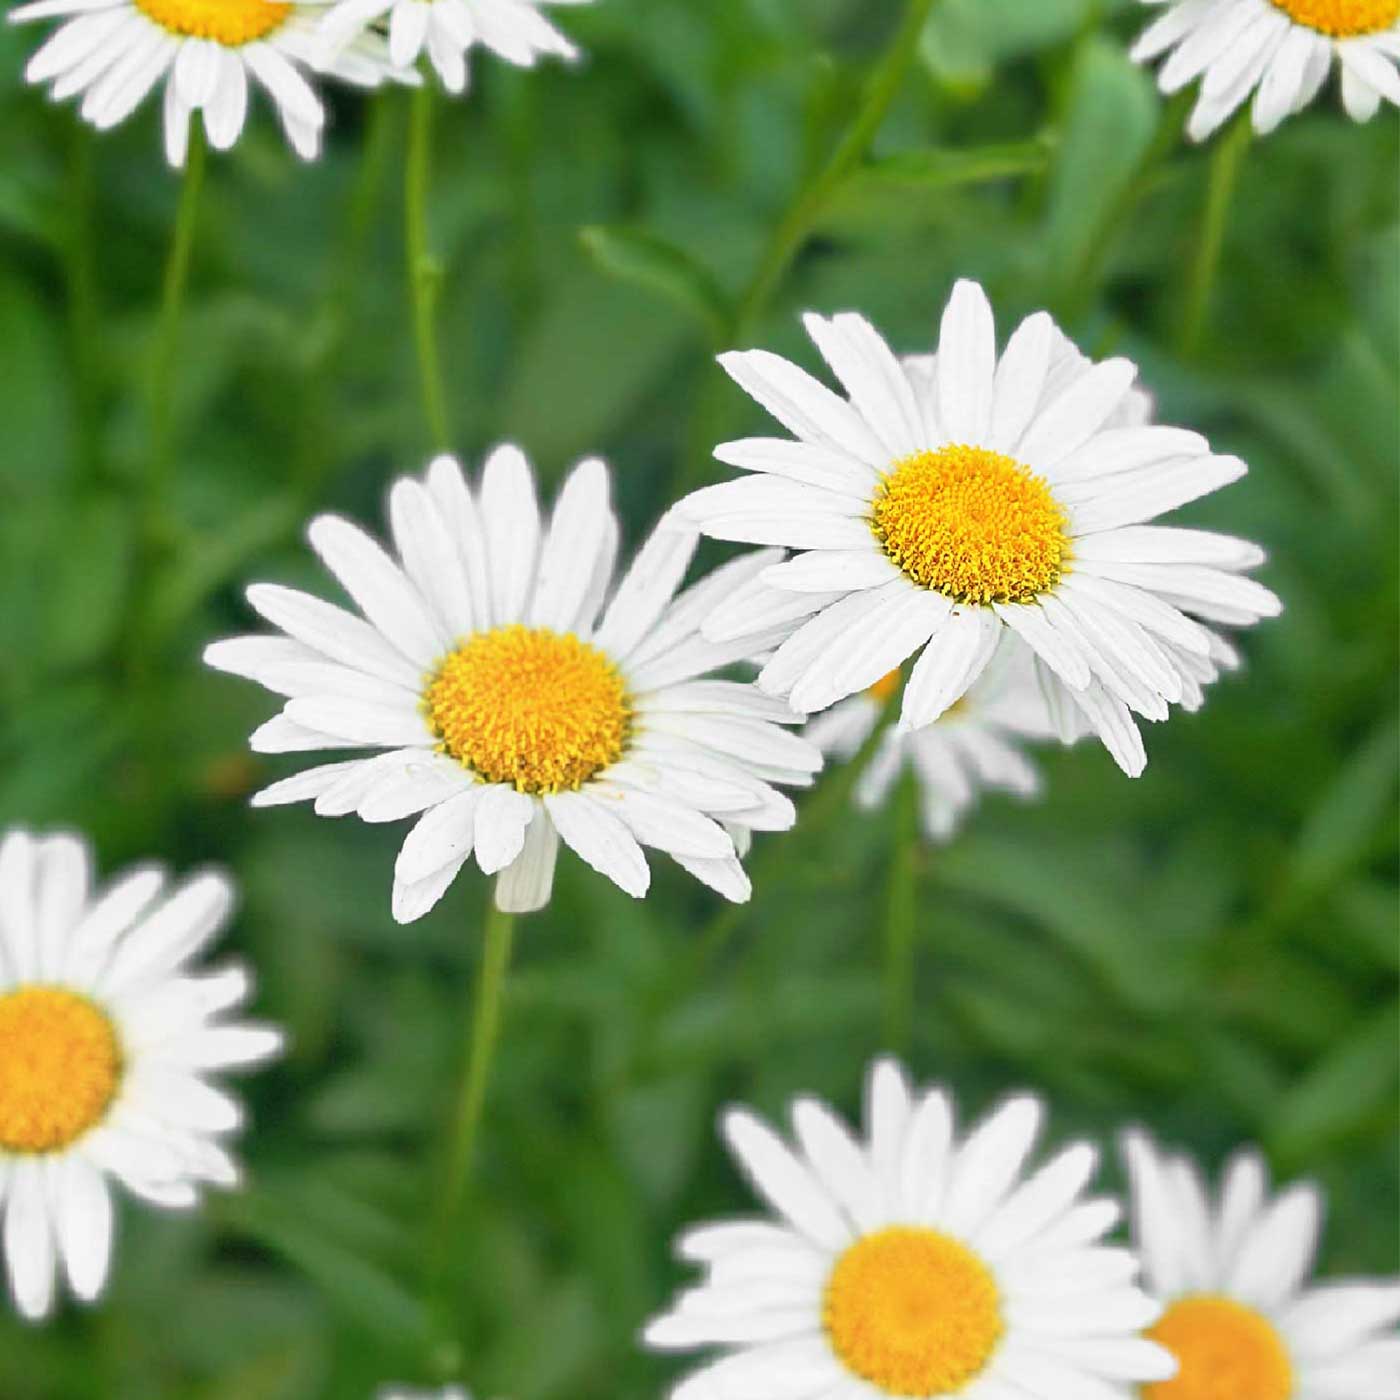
[{"x": 1211, "y": 950}]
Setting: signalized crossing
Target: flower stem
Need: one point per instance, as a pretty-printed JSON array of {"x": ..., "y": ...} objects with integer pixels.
[
  {"x": 900, "y": 919},
  {"x": 1225, "y": 164},
  {"x": 793, "y": 229},
  {"x": 177, "y": 271},
  {"x": 487, "y": 1003},
  {"x": 424, "y": 268}
]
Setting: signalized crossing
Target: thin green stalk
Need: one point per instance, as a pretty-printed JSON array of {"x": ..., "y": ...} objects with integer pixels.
[
  {"x": 177, "y": 270},
  {"x": 794, "y": 228},
  {"x": 900, "y": 919},
  {"x": 424, "y": 268},
  {"x": 830, "y": 798},
  {"x": 1225, "y": 164},
  {"x": 84, "y": 313},
  {"x": 487, "y": 1003}
]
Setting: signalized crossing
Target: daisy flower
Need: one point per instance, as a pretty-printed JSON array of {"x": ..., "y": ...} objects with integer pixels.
[
  {"x": 1232, "y": 1273},
  {"x": 912, "y": 1263},
  {"x": 107, "y": 1039},
  {"x": 952, "y": 498},
  {"x": 451, "y": 1392},
  {"x": 519, "y": 696},
  {"x": 974, "y": 746},
  {"x": 1280, "y": 51},
  {"x": 206, "y": 52},
  {"x": 446, "y": 30}
]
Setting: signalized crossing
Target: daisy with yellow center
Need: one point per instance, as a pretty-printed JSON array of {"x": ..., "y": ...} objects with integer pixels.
[
  {"x": 952, "y": 499},
  {"x": 1232, "y": 1274},
  {"x": 107, "y": 1039},
  {"x": 447, "y": 30},
  {"x": 975, "y": 746},
  {"x": 520, "y": 695},
  {"x": 912, "y": 1263},
  {"x": 207, "y": 53},
  {"x": 1277, "y": 51}
]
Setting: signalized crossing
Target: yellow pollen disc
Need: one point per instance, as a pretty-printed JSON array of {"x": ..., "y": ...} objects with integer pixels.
[
  {"x": 912, "y": 1311},
  {"x": 972, "y": 524},
  {"x": 524, "y": 705},
  {"x": 1342, "y": 18},
  {"x": 1226, "y": 1352},
  {"x": 228, "y": 22},
  {"x": 60, "y": 1066},
  {"x": 885, "y": 686}
]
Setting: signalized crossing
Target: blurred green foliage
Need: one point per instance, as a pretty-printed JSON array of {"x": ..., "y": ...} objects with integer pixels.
[{"x": 1211, "y": 950}]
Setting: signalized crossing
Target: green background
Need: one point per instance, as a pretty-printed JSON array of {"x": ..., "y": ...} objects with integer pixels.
[{"x": 1210, "y": 950}]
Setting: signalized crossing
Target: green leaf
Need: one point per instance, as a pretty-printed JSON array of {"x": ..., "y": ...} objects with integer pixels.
[
  {"x": 1108, "y": 126},
  {"x": 1356, "y": 1079},
  {"x": 643, "y": 259},
  {"x": 937, "y": 168}
]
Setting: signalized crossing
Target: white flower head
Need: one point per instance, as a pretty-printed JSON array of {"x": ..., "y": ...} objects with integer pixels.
[
  {"x": 108, "y": 1037},
  {"x": 975, "y": 746},
  {"x": 446, "y": 30},
  {"x": 207, "y": 53},
  {"x": 519, "y": 696},
  {"x": 1278, "y": 51},
  {"x": 398, "y": 1392},
  {"x": 1232, "y": 1273},
  {"x": 913, "y": 1262},
  {"x": 952, "y": 497}
]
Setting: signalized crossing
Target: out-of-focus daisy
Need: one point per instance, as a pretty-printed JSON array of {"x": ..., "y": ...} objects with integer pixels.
[
  {"x": 913, "y": 1263},
  {"x": 953, "y": 497},
  {"x": 972, "y": 747},
  {"x": 1232, "y": 1273},
  {"x": 446, "y": 30},
  {"x": 207, "y": 52},
  {"x": 107, "y": 1039},
  {"x": 1280, "y": 51},
  {"x": 521, "y": 697}
]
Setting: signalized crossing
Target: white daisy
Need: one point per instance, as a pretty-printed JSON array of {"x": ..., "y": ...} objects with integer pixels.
[
  {"x": 516, "y": 30},
  {"x": 972, "y": 747},
  {"x": 1281, "y": 51},
  {"x": 115, "y": 52},
  {"x": 955, "y": 496},
  {"x": 107, "y": 1039},
  {"x": 913, "y": 1263},
  {"x": 1240, "y": 1316},
  {"x": 520, "y": 696},
  {"x": 451, "y": 1392}
]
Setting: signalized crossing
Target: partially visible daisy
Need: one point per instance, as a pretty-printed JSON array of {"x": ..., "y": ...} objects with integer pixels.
[
  {"x": 451, "y": 1392},
  {"x": 913, "y": 1262},
  {"x": 207, "y": 53},
  {"x": 108, "y": 1038},
  {"x": 1280, "y": 51},
  {"x": 519, "y": 695},
  {"x": 515, "y": 30},
  {"x": 954, "y": 497},
  {"x": 1241, "y": 1317},
  {"x": 973, "y": 747}
]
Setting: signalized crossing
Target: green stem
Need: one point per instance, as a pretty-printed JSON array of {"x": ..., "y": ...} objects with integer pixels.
[
  {"x": 84, "y": 313},
  {"x": 1225, "y": 164},
  {"x": 424, "y": 269},
  {"x": 831, "y": 798},
  {"x": 177, "y": 270},
  {"x": 900, "y": 919},
  {"x": 794, "y": 228},
  {"x": 487, "y": 1001}
]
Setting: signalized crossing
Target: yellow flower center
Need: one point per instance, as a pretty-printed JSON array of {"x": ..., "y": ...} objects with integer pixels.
[
  {"x": 885, "y": 686},
  {"x": 531, "y": 707},
  {"x": 1226, "y": 1352},
  {"x": 60, "y": 1066},
  {"x": 972, "y": 524},
  {"x": 228, "y": 22},
  {"x": 912, "y": 1311},
  {"x": 1342, "y": 18}
]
